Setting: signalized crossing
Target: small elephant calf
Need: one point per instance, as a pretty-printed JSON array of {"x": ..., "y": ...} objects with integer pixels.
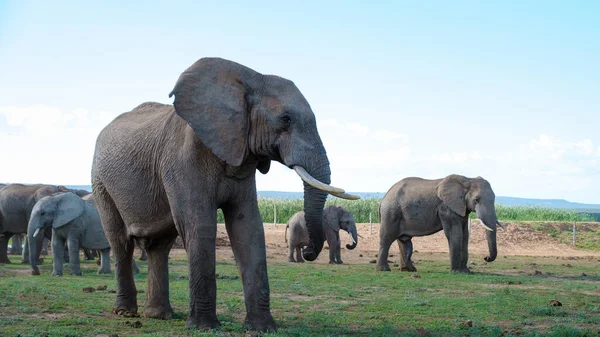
[
  {"x": 334, "y": 219},
  {"x": 74, "y": 220}
]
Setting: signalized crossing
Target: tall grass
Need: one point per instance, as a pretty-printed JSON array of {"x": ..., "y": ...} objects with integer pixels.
[
  {"x": 536, "y": 213},
  {"x": 361, "y": 209}
]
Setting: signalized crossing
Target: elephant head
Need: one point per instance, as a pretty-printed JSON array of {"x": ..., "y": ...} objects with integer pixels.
[
  {"x": 464, "y": 195},
  {"x": 55, "y": 210},
  {"x": 337, "y": 217},
  {"x": 243, "y": 116}
]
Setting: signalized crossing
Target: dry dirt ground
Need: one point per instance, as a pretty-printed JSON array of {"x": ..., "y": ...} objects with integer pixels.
[{"x": 515, "y": 239}]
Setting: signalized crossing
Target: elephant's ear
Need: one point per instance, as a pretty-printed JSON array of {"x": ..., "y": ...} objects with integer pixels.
[
  {"x": 69, "y": 207},
  {"x": 452, "y": 191},
  {"x": 212, "y": 97},
  {"x": 331, "y": 218}
]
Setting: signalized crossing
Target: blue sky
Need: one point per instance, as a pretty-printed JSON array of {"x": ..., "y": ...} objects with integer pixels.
[{"x": 507, "y": 91}]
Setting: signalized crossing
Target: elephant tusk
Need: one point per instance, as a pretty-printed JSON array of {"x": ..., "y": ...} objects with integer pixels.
[
  {"x": 37, "y": 231},
  {"x": 346, "y": 196},
  {"x": 486, "y": 227},
  {"x": 500, "y": 224},
  {"x": 353, "y": 241},
  {"x": 307, "y": 178}
]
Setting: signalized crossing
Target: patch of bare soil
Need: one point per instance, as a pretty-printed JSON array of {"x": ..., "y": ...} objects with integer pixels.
[{"x": 514, "y": 240}]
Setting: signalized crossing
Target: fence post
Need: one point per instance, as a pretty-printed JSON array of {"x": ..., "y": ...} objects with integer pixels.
[
  {"x": 370, "y": 224},
  {"x": 574, "y": 233},
  {"x": 274, "y": 214}
]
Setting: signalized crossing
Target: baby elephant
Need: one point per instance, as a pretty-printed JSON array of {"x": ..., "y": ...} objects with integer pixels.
[
  {"x": 74, "y": 220},
  {"x": 334, "y": 218},
  {"x": 419, "y": 207}
]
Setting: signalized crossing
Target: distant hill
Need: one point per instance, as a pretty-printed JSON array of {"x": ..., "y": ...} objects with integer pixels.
[{"x": 507, "y": 201}]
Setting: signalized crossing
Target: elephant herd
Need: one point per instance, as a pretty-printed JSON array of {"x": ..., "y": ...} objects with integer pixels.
[{"x": 162, "y": 171}]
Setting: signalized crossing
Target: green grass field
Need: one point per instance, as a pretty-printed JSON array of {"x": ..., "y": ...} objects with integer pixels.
[
  {"x": 362, "y": 208},
  {"x": 503, "y": 298}
]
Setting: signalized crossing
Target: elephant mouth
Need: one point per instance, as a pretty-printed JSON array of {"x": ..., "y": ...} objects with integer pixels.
[{"x": 335, "y": 191}]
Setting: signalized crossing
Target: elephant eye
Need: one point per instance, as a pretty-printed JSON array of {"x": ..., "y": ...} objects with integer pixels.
[
  {"x": 477, "y": 200},
  {"x": 286, "y": 121},
  {"x": 42, "y": 213}
]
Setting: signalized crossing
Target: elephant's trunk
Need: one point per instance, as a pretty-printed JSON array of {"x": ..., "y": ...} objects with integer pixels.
[
  {"x": 354, "y": 235},
  {"x": 314, "y": 201},
  {"x": 33, "y": 231},
  {"x": 487, "y": 216},
  {"x": 491, "y": 239}
]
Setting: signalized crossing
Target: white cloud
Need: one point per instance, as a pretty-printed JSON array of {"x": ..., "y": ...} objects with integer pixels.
[
  {"x": 43, "y": 144},
  {"x": 48, "y": 145}
]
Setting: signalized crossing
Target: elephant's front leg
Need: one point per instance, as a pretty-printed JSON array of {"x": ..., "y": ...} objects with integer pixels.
[
  {"x": 454, "y": 233},
  {"x": 74, "y": 263},
  {"x": 465, "y": 245},
  {"x": 104, "y": 261},
  {"x": 246, "y": 234},
  {"x": 4, "y": 248},
  {"x": 58, "y": 255},
  {"x": 198, "y": 229},
  {"x": 333, "y": 243},
  {"x": 338, "y": 249}
]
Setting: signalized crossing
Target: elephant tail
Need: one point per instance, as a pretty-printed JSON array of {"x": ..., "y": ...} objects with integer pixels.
[{"x": 286, "y": 228}]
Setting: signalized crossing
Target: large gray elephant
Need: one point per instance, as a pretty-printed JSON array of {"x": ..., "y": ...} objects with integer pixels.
[
  {"x": 74, "y": 221},
  {"x": 419, "y": 207},
  {"x": 16, "y": 203},
  {"x": 163, "y": 170},
  {"x": 334, "y": 219}
]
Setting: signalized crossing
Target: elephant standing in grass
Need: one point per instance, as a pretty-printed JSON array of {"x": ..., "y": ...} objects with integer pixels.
[
  {"x": 74, "y": 221},
  {"x": 16, "y": 203},
  {"x": 419, "y": 207},
  {"x": 163, "y": 170},
  {"x": 334, "y": 219}
]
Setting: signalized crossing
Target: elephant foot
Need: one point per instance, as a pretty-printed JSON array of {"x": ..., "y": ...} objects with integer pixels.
[
  {"x": 339, "y": 262},
  {"x": 126, "y": 308},
  {"x": 5, "y": 260},
  {"x": 464, "y": 270},
  {"x": 203, "y": 323},
  {"x": 300, "y": 261},
  {"x": 56, "y": 274},
  {"x": 77, "y": 274},
  {"x": 158, "y": 311},
  {"x": 35, "y": 272},
  {"x": 408, "y": 268},
  {"x": 383, "y": 268},
  {"x": 291, "y": 259},
  {"x": 103, "y": 271},
  {"x": 265, "y": 323}
]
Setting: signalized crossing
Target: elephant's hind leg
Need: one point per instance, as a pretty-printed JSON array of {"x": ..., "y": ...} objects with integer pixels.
[
  {"x": 291, "y": 255},
  {"x": 406, "y": 249},
  {"x": 157, "y": 295},
  {"x": 122, "y": 246},
  {"x": 299, "y": 257}
]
